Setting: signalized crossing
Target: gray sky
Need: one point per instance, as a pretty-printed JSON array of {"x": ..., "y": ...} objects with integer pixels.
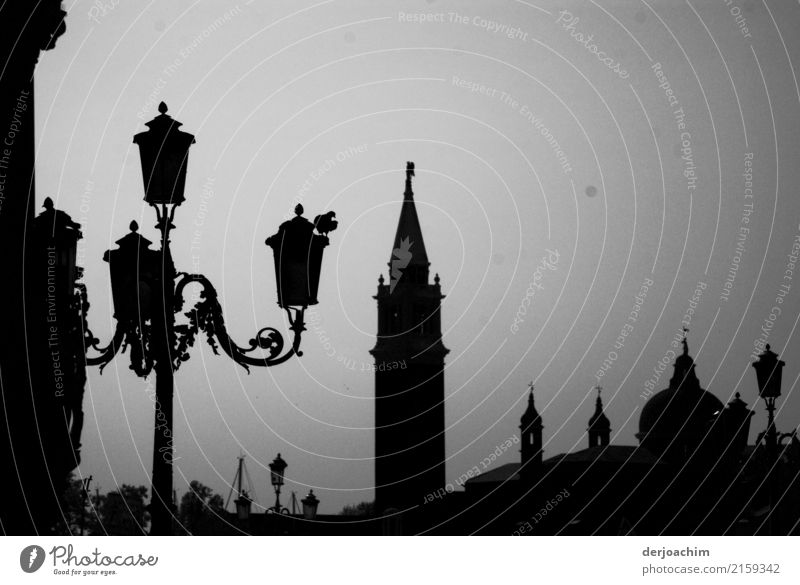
[{"x": 527, "y": 136}]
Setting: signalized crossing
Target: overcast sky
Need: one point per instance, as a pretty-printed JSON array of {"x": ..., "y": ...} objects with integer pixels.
[{"x": 531, "y": 140}]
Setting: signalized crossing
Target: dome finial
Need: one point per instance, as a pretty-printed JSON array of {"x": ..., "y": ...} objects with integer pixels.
[
  {"x": 47, "y": 203},
  {"x": 162, "y": 108},
  {"x": 685, "y": 342}
]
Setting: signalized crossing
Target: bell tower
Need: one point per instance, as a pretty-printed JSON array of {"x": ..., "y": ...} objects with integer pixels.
[
  {"x": 599, "y": 426},
  {"x": 531, "y": 451},
  {"x": 409, "y": 371}
]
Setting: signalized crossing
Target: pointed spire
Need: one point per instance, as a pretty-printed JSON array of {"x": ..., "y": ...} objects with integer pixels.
[
  {"x": 599, "y": 425},
  {"x": 599, "y": 420},
  {"x": 409, "y": 256}
]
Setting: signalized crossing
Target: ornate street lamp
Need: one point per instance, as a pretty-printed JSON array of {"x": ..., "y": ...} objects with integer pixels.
[
  {"x": 148, "y": 292},
  {"x": 310, "y": 504},
  {"x": 769, "y": 371},
  {"x": 276, "y": 471},
  {"x": 164, "y": 152}
]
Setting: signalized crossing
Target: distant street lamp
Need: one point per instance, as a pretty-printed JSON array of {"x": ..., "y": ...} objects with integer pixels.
[
  {"x": 147, "y": 293},
  {"x": 310, "y": 504},
  {"x": 769, "y": 371},
  {"x": 276, "y": 471}
]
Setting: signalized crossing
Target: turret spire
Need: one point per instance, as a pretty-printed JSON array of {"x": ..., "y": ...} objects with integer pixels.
[
  {"x": 531, "y": 431},
  {"x": 409, "y": 261},
  {"x": 599, "y": 425}
]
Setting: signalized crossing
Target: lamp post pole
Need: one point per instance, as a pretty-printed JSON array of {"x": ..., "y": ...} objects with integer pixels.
[
  {"x": 769, "y": 372},
  {"x": 161, "y": 506},
  {"x": 148, "y": 292}
]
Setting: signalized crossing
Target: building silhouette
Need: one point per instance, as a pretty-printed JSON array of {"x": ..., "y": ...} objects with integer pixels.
[
  {"x": 692, "y": 473},
  {"x": 41, "y": 348},
  {"x": 409, "y": 371}
]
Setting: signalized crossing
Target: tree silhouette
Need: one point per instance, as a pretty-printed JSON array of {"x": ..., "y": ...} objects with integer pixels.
[
  {"x": 200, "y": 509},
  {"x": 360, "y": 509},
  {"x": 123, "y": 512}
]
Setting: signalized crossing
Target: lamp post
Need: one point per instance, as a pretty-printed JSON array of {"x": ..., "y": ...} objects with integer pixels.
[
  {"x": 147, "y": 293},
  {"x": 276, "y": 470},
  {"x": 769, "y": 372},
  {"x": 310, "y": 505}
]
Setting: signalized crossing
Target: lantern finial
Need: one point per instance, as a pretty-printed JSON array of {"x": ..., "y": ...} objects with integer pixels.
[
  {"x": 162, "y": 108},
  {"x": 134, "y": 226}
]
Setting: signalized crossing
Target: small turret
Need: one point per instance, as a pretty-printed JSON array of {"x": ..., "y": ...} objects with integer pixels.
[
  {"x": 599, "y": 425},
  {"x": 531, "y": 431}
]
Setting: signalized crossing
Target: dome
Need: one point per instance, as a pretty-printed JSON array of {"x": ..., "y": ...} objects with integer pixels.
[
  {"x": 677, "y": 410},
  {"x": 679, "y": 416}
]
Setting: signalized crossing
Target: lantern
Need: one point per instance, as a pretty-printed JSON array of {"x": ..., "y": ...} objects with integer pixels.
[
  {"x": 57, "y": 238},
  {"x": 276, "y": 470},
  {"x": 297, "y": 249},
  {"x": 164, "y": 152},
  {"x": 769, "y": 370},
  {"x": 135, "y": 276},
  {"x": 310, "y": 504}
]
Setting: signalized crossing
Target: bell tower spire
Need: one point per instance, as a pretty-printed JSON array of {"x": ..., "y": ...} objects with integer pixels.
[
  {"x": 599, "y": 425},
  {"x": 409, "y": 371},
  {"x": 531, "y": 431},
  {"x": 409, "y": 261}
]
